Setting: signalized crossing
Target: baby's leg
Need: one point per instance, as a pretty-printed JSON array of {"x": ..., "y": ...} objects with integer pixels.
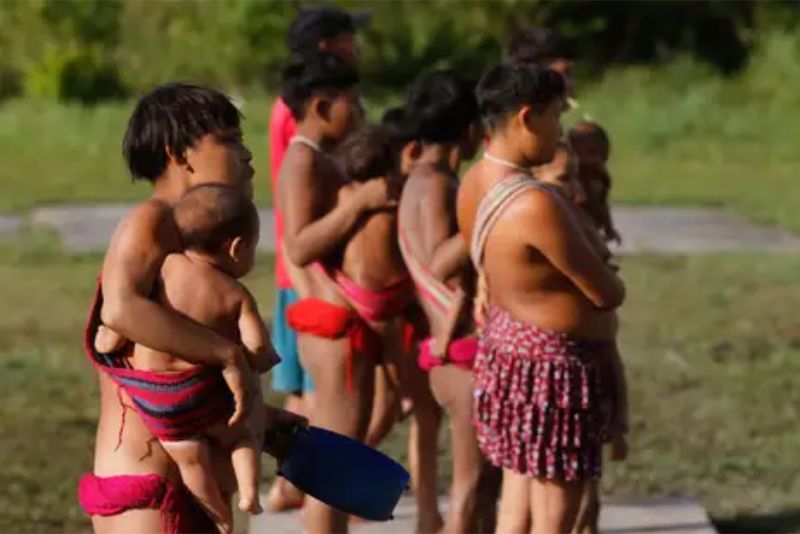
[
  {"x": 245, "y": 440},
  {"x": 246, "y": 459},
  {"x": 194, "y": 463}
]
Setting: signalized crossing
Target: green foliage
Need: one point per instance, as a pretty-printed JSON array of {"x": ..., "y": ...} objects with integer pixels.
[
  {"x": 93, "y": 49},
  {"x": 63, "y": 49}
]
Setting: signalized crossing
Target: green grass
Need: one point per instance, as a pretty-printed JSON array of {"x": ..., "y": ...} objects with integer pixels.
[
  {"x": 711, "y": 344},
  {"x": 59, "y": 153},
  {"x": 680, "y": 133}
]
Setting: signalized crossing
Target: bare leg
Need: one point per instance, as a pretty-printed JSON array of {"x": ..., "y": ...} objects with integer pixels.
[
  {"x": 423, "y": 444},
  {"x": 386, "y": 405},
  {"x": 194, "y": 463},
  {"x": 246, "y": 459},
  {"x": 453, "y": 387},
  {"x": 589, "y": 512},
  {"x": 283, "y": 495},
  {"x": 514, "y": 516},
  {"x": 555, "y": 505},
  {"x": 335, "y": 408}
]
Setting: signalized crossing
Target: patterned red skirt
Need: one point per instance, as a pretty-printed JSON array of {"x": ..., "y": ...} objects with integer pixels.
[{"x": 540, "y": 409}]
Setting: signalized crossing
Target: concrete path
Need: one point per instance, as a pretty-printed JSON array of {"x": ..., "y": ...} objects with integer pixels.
[
  {"x": 644, "y": 229},
  {"x": 651, "y": 516}
]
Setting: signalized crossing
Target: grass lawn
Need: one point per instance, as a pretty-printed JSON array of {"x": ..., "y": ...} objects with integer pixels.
[
  {"x": 681, "y": 136},
  {"x": 711, "y": 344}
]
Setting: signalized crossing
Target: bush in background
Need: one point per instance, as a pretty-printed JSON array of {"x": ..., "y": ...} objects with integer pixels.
[{"x": 91, "y": 50}]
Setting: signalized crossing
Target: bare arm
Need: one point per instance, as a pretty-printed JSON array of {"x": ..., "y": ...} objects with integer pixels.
[
  {"x": 440, "y": 229},
  {"x": 450, "y": 257},
  {"x": 559, "y": 237},
  {"x": 308, "y": 238},
  {"x": 131, "y": 266},
  {"x": 255, "y": 336}
]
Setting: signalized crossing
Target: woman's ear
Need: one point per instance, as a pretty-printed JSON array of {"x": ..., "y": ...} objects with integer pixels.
[
  {"x": 322, "y": 108},
  {"x": 176, "y": 158},
  {"x": 525, "y": 116}
]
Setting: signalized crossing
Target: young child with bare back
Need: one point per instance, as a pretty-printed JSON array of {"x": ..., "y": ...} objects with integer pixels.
[
  {"x": 592, "y": 148},
  {"x": 441, "y": 115},
  {"x": 562, "y": 172},
  {"x": 218, "y": 226}
]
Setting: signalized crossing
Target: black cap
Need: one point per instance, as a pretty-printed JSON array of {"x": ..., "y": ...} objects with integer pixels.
[{"x": 316, "y": 24}]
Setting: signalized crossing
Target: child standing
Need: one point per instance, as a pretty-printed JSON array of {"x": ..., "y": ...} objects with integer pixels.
[
  {"x": 441, "y": 116},
  {"x": 321, "y": 92}
]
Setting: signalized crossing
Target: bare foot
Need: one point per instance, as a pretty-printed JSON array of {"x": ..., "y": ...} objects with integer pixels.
[
  {"x": 250, "y": 505},
  {"x": 429, "y": 525},
  {"x": 283, "y": 496}
]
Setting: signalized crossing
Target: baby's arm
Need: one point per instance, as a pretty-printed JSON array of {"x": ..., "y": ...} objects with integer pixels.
[
  {"x": 194, "y": 463},
  {"x": 255, "y": 336},
  {"x": 595, "y": 239}
]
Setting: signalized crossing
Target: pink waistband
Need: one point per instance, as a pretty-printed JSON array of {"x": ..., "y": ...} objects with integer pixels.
[
  {"x": 106, "y": 496},
  {"x": 461, "y": 352},
  {"x": 373, "y": 305}
]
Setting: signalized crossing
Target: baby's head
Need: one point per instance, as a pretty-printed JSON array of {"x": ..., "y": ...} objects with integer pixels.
[
  {"x": 562, "y": 172},
  {"x": 367, "y": 153},
  {"x": 219, "y": 222},
  {"x": 591, "y": 144},
  {"x": 371, "y": 152}
]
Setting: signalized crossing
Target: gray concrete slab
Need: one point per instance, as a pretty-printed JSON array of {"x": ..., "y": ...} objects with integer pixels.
[
  {"x": 10, "y": 224},
  {"x": 696, "y": 230},
  {"x": 89, "y": 228},
  {"x": 644, "y": 229},
  {"x": 646, "y": 515}
]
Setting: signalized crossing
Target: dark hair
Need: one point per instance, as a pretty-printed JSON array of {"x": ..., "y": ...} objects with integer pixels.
[
  {"x": 209, "y": 215},
  {"x": 317, "y": 24},
  {"x": 395, "y": 125},
  {"x": 537, "y": 45},
  {"x": 173, "y": 115},
  {"x": 307, "y": 76},
  {"x": 440, "y": 107},
  {"x": 367, "y": 153},
  {"x": 590, "y": 130},
  {"x": 508, "y": 86}
]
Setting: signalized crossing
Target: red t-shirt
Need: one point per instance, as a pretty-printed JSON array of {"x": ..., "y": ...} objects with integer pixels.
[{"x": 282, "y": 127}]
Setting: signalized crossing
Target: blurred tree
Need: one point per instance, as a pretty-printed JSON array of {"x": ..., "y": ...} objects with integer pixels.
[{"x": 92, "y": 49}]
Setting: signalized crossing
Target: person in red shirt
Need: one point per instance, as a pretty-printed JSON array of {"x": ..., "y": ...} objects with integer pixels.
[{"x": 326, "y": 29}]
